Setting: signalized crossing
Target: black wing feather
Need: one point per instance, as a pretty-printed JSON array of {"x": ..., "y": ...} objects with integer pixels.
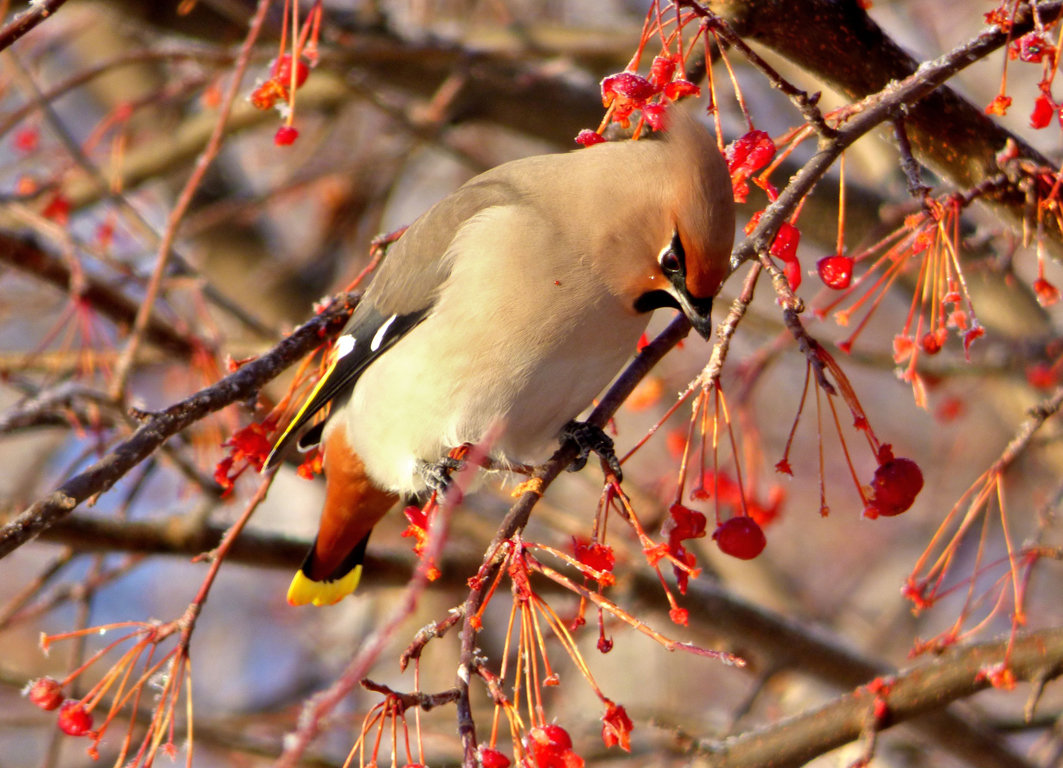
[{"x": 373, "y": 334}]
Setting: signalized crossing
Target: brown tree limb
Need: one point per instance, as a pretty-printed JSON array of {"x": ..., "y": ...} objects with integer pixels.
[
  {"x": 158, "y": 428},
  {"x": 766, "y": 637},
  {"x": 923, "y": 688},
  {"x": 841, "y": 45},
  {"x": 874, "y": 110},
  {"x": 27, "y": 20}
]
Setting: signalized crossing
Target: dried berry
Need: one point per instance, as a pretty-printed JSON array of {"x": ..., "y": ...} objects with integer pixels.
[
  {"x": 683, "y": 523},
  {"x": 616, "y": 727},
  {"x": 662, "y": 69},
  {"x": 626, "y": 86},
  {"x": 678, "y": 89},
  {"x": 1043, "y": 109},
  {"x": 600, "y": 557},
  {"x": 1047, "y": 294},
  {"x": 896, "y": 484},
  {"x": 554, "y": 736},
  {"x": 44, "y": 692},
  {"x": 282, "y": 70}
]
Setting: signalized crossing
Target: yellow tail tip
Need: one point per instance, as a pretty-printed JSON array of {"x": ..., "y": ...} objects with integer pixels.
[{"x": 305, "y": 591}]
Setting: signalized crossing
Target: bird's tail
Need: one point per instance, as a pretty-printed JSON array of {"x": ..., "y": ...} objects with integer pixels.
[
  {"x": 334, "y": 586},
  {"x": 353, "y": 505}
]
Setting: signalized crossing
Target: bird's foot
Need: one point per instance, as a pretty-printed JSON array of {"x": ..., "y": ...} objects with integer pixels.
[
  {"x": 437, "y": 476},
  {"x": 588, "y": 438}
]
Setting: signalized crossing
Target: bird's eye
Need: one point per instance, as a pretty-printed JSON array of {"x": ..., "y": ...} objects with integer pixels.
[{"x": 670, "y": 263}]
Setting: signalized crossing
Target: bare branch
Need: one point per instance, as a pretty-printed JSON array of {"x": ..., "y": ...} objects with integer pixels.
[
  {"x": 908, "y": 694},
  {"x": 27, "y": 20},
  {"x": 237, "y": 387}
]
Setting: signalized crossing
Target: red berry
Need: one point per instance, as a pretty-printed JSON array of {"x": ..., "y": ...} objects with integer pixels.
[
  {"x": 678, "y": 89},
  {"x": 57, "y": 209},
  {"x": 588, "y": 138},
  {"x": 662, "y": 69},
  {"x": 784, "y": 247},
  {"x": 492, "y": 758},
  {"x": 896, "y": 484},
  {"x": 282, "y": 70},
  {"x": 835, "y": 271},
  {"x": 628, "y": 86},
  {"x": 285, "y": 136},
  {"x": 749, "y": 153},
  {"x": 617, "y": 727},
  {"x": 600, "y": 557},
  {"x": 974, "y": 332},
  {"x": 26, "y": 140},
  {"x": 416, "y": 515},
  {"x": 999, "y": 105},
  {"x": 1042, "y": 112},
  {"x": 73, "y": 719},
  {"x": 655, "y": 115},
  {"x": 548, "y": 746},
  {"x": 1042, "y": 376},
  {"x": 1047, "y": 294},
  {"x": 45, "y": 692},
  {"x": 1031, "y": 47},
  {"x": 931, "y": 343},
  {"x": 554, "y": 735},
  {"x": 740, "y": 537}
]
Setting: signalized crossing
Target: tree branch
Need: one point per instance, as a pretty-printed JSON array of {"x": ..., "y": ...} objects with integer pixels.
[
  {"x": 27, "y": 20},
  {"x": 238, "y": 386},
  {"x": 841, "y": 45},
  {"x": 920, "y": 689}
]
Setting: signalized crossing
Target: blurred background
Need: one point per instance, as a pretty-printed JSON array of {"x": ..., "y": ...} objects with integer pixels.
[{"x": 104, "y": 109}]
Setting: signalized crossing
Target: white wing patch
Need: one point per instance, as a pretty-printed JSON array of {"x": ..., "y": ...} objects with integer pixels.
[
  {"x": 344, "y": 345},
  {"x": 378, "y": 339}
]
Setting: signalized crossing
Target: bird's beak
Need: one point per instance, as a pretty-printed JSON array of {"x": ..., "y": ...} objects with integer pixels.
[{"x": 697, "y": 311}]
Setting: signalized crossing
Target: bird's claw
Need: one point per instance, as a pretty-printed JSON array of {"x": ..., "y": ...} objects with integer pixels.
[
  {"x": 588, "y": 438},
  {"x": 437, "y": 476}
]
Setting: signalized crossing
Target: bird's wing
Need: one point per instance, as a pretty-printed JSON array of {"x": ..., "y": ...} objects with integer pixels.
[
  {"x": 369, "y": 335},
  {"x": 402, "y": 293}
]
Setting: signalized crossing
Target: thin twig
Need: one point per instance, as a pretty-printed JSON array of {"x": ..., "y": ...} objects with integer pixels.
[
  {"x": 423, "y": 701},
  {"x": 319, "y": 707},
  {"x": 236, "y": 387},
  {"x": 867, "y": 115},
  {"x": 910, "y": 166},
  {"x": 805, "y": 104},
  {"x": 184, "y": 200},
  {"x": 27, "y": 20}
]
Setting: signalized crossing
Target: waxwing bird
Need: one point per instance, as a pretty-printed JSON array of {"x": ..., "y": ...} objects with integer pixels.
[{"x": 507, "y": 307}]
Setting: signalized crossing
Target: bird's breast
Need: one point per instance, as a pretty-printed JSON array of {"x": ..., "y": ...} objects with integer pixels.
[{"x": 456, "y": 378}]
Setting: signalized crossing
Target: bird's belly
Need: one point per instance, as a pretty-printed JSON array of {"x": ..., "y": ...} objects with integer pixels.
[{"x": 440, "y": 397}]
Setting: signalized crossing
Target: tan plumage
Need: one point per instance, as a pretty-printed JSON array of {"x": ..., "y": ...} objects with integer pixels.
[{"x": 511, "y": 304}]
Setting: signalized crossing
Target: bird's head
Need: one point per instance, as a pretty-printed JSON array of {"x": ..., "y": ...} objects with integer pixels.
[{"x": 692, "y": 224}]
